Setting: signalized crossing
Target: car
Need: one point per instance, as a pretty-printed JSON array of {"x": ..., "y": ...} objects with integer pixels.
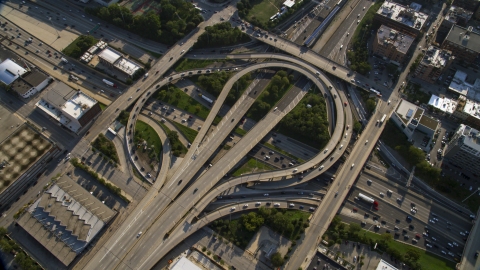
[
  {"x": 232, "y": 209},
  {"x": 258, "y": 203},
  {"x": 138, "y": 235},
  {"x": 432, "y": 221},
  {"x": 418, "y": 236},
  {"x": 455, "y": 244},
  {"x": 276, "y": 204},
  {"x": 382, "y": 194},
  {"x": 443, "y": 252},
  {"x": 425, "y": 234},
  {"x": 291, "y": 205},
  {"x": 436, "y": 219},
  {"x": 245, "y": 205},
  {"x": 311, "y": 209},
  {"x": 265, "y": 195},
  {"x": 450, "y": 245},
  {"x": 462, "y": 234}
]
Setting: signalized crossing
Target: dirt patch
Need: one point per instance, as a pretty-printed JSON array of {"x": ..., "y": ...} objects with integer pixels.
[{"x": 266, "y": 242}]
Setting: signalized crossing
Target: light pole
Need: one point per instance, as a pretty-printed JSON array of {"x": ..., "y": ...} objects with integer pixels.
[
  {"x": 471, "y": 194},
  {"x": 50, "y": 19}
]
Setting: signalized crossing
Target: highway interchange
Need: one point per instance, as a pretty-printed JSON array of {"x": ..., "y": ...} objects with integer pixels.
[{"x": 181, "y": 195}]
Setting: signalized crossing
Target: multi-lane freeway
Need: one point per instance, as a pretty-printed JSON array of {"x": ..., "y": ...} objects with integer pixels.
[{"x": 174, "y": 207}]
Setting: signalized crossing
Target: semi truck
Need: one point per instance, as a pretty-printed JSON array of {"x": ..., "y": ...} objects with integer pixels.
[
  {"x": 109, "y": 83},
  {"x": 209, "y": 101},
  {"x": 369, "y": 200}
]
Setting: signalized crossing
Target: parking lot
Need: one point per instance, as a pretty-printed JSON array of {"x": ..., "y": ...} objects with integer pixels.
[
  {"x": 96, "y": 189},
  {"x": 408, "y": 217}
]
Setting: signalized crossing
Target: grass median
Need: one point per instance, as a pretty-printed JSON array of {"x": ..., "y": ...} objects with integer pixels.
[
  {"x": 252, "y": 165},
  {"x": 189, "y": 133}
]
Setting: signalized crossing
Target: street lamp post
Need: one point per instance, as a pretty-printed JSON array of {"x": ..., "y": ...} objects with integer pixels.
[
  {"x": 50, "y": 19},
  {"x": 471, "y": 194}
]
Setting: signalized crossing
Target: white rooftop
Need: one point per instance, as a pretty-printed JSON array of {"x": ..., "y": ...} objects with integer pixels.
[
  {"x": 472, "y": 107},
  {"x": 127, "y": 66},
  {"x": 462, "y": 87},
  {"x": 405, "y": 15},
  {"x": 289, "y": 3},
  {"x": 10, "y": 71},
  {"x": 57, "y": 115},
  {"x": 436, "y": 57},
  {"x": 109, "y": 55},
  {"x": 383, "y": 265},
  {"x": 78, "y": 105},
  {"x": 184, "y": 264},
  {"x": 444, "y": 104}
]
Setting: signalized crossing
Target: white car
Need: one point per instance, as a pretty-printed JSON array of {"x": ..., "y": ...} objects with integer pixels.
[
  {"x": 450, "y": 244},
  {"x": 432, "y": 221},
  {"x": 462, "y": 234},
  {"x": 382, "y": 194},
  {"x": 138, "y": 235},
  {"x": 266, "y": 194},
  {"x": 276, "y": 204},
  {"x": 436, "y": 219},
  {"x": 413, "y": 211},
  {"x": 443, "y": 252},
  {"x": 425, "y": 234},
  {"x": 451, "y": 254},
  {"x": 353, "y": 164},
  {"x": 258, "y": 203},
  {"x": 434, "y": 239},
  {"x": 245, "y": 205},
  {"x": 428, "y": 245},
  {"x": 455, "y": 244},
  {"x": 321, "y": 168},
  {"x": 291, "y": 205},
  {"x": 232, "y": 209}
]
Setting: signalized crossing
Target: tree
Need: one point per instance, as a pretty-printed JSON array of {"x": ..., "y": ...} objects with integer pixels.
[
  {"x": 277, "y": 259},
  {"x": 252, "y": 221},
  {"x": 354, "y": 228},
  {"x": 412, "y": 255},
  {"x": 357, "y": 127},
  {"x": 386, "y": 237},
  {"x": 336, "y": 221},
  {"x": 371, "y": 105},
  {"x": 415, "y": 155}
]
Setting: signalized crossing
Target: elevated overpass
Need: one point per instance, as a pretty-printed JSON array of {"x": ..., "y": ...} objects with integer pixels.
[{"x": 111, "y": 255}]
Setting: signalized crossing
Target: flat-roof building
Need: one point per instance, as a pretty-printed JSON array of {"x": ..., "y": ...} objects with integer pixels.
[
  {"x": 433, "y": 63},
  {"x": 24, "y": 154},
  {"x": 464, "y": 43},
  {"x": 65, "y": 219},
  {"x": 113, "y": 58},
  {"x": 460, "y": 86},
  {"x": 72, "y": 109},
  {"x": 392, "y": 44},
  {"x": 468, "y": 111},
  {"x": 463, "y": 150},
  {"x": 10, "y": 71},
  {"x": 410, "y": 118},
  {"x": 383, "y": 265},
  {"x": 443, "y": 104},
  {"x": 456, "y": 15},
  {"x": 30, "y": 84},
  {"x": 406, "y": 19}
]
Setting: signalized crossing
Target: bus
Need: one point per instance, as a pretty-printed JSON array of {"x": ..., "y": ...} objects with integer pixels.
[{"x": 376, "y": 92}]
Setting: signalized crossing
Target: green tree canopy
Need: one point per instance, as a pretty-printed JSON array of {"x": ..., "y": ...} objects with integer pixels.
[
  {"x": 252, "y": 221},
  {"x": 277, "y": 259}
]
